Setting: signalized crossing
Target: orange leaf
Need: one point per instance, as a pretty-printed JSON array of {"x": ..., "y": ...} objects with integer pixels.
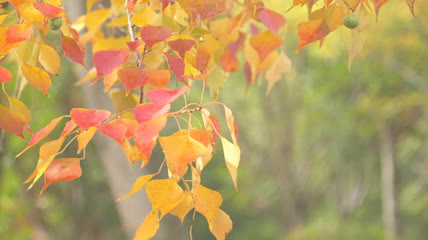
[
  {"x": 264, "y": 43},
  {"x": 202, "y": 58},
  {"x": 42, "y": 134},
  {"x": 47, "y": 153},
  {"x": 271, "y": 19},
  {"x": 229, "y": 61},
  {"x": 114, "y": 130},
  {"x": 164, "y": 194},
  {"x": 154, "y": 34},
  {"x": 183, "y": 207},
  {"x": 84, "y": 138},
  {"x": 37, "y": 77},
  {"x": 204, "y": 9},
  {"x": 107, "y": 60},
  {"x": 180, "y": 150},
  {"x": 145, "y": 151},
  {"x": 181, "y": 45},
  {"x": 176, "y": 65},
  {"x": 138, "y": 185},
  {"x": 146, "y": 111},
  {"x": 130, "y": 124},
  {"x": 12, "y": 121},
  {"x": 311, "y": 31},
  {"x": 69, "y": 126},
  {"x": 158, "y": 78},
  {"x": 149, "y": 227},
  {"x": 207, "y": 201},
  {"x": 49, "y": 10},
  {"x": 21, "y": 108},
  {"x": 132, "y": 78},
  {"x": 411, "y": 4},
  {"x": 165, "y": 96},
  {"x": 17, "y": 33},
  {"x": 86, "y": 118},
  {"x": 73, "y": 50},
  {"x": 62, "y": 170},
  {"x": 148, "y": 130},
  {"x": 5, "y": 75}
]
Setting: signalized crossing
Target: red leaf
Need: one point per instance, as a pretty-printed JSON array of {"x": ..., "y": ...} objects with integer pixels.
[
  {"x": 5, "y": 75},
  {"x": 17, "y": 33},
  {"x": 147, "y": 131},
  {"x": 271, "y": 19},
  {"x": 146, "y": 111},
  {"x": 107, "y": 60},
  {"x": 158, "y": 78},
  {"x": 130, "y": 124},
  {"x": 114, "y": 130},
  {"x": 49, "y": 10},
  {"x": 181, "y": 45},
  {"x": 235, "y": 45},
  {"x": 154, "y": 34},
  {"x": 86, "y": 118},
  {"x": 264, "y": 43},
  {"x": 176, "y": 65},
  {"x": 215, "y": 125},
  {"x": 61, "y": 170},
  {"x": 133, "y": 45},
  {"x": 73, "y": 50},
  {"x": 69, "y": 126},
  {"x": 165, "y": 96},
  {"x": 312, "y": 31},
  {"x": 132, "y": 78},
  {"x": 145, "y": 151}
]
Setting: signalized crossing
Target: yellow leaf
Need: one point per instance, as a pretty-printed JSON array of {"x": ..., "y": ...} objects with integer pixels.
[
  {"x": 27, "y": 51},
  {"x": 138, "y": 185},
  {"x": 21, "y": 108},
  {"x": 84, "y": 137},
  {"x": 110, "y": 43},
  {"x": 220, "y": 225},
  {"x": 143, "y": 17},
  {"x": 277, "y": 69},
  {"x": 253, "y": 59},
  {"x": 184, "y": 206},
  {"x": 49, "y": 59},
  {"x": 207, "y": 201},
  {"x": 164, "y": 195},
  {"x": 56, "y": 3},
  {"x": 29, "y": 13},
  {"x": 12, "y": 121},
  {"x": 118, "y": 22},
  {"x": 47, "y": 153},
  {"x": 95, "y": 19},
  {"x": 89, "y": 4},
  {"x": 92, "y": 73},
  {"x": 232, "y": 155},
  {"x": 230, "y": 120},
  {"x": 149, "y": 227},
  {"x": 37, "y": 77},
  {"x": 122, "y": 102}
]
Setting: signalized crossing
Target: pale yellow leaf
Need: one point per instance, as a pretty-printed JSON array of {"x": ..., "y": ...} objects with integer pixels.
[
  {"x": 220, "y": 225},
  {"x": 232, "y": 156},
  {"x": 138, "y": 185},
  {"x": 149, "y": 227},
  {"x": 276, "y": 70},
  {"x": 84, "y": 137},
  {"x": 355, "y": 47},
  {"x": 216, "y": 81},
  {"x": 49, "y": 59}
]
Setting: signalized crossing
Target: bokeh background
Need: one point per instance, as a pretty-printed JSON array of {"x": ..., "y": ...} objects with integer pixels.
[{"x": 314, "y": 151}]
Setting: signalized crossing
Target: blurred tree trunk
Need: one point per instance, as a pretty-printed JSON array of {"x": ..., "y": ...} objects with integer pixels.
[
  {"x": 388, "y": 169},
  {"x": 132, "y": 210}
]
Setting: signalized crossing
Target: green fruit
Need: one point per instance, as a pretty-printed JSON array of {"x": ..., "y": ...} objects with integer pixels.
[
  {"x": 351, "y": 21},
  {"x": 55, "y": 23}
]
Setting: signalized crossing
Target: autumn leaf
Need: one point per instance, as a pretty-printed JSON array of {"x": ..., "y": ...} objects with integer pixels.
[
  {"x": 49, "y": 59},
  {"x": 146, "y": 111},
  {"x": 311, "y": 31},
  {"x": 68, "y": 128},
  {"x": 154, "y": 34},
  {"x": 148, "y": 130},
  {"x": 184, "y": 207},
  {"x": 149, "y": 227},
  {"x": 205, "y": 9},
  {"x": 114, "y": 130},
  {"x": 275, "y": 71},
  {"x": 12, "y": 121},
  {"x": 143, "y": 17},
  {"x": 17, "y": 33},
  {"x": 202, "y": 58},
  {"x": 176, "y": 65},
  {"x": 207, "y": 201},
  {"x": 132, "y": 78},
  {"x": 49, "y": 10},
  {"x": 181, "y": 45},
  {"x": 84, "y": 138},
  {"x": 271, "y": 19},
  {"x": 264, "y": 43},
  {"x": 165, "y": 96},
  {"x": 130, "y": 124},
  {"x": 47, "y": 153},
  {"x": 37, "y": 77},
  {"x": 85, "y": 118},
  {"x": 229, "y": 61},
  {"x": 411, "y": 4},
  {"x": 158, "y": 78},
  {"x": 145, "y": 151},
  {"x": 138, "y": 185},
  {"x": 61, "y": 170},
  {"x": 106, "y": 61},
  {"x": 232, "y": 155},
  {"x": 21, "y": 108},
  {"x": 40, "y": 135},
  {"x": 220, "y": 225},
  {"x": 5, "y": 75},
  {"x": 73, "y": 50},
  {"x": 164, "y": 194}
]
